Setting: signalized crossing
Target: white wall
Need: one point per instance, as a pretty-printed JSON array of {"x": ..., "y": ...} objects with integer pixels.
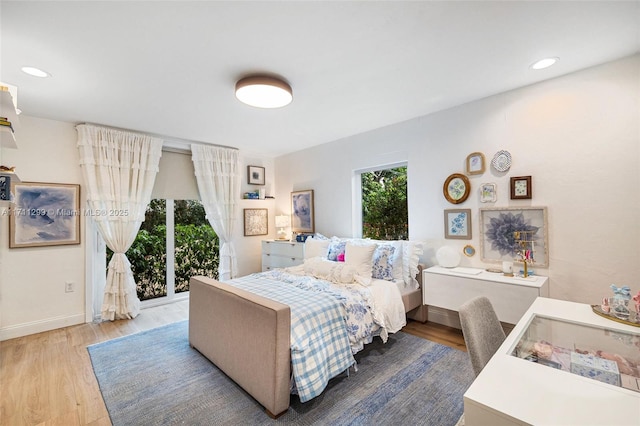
[
  {"x": 32, "y": 280},
  {"x": 578, "y": 136}
]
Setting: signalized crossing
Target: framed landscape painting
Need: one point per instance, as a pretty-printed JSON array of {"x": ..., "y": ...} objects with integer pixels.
[
  {"x": 45, "y": 214},
  {"x": 302, "y": 219}
]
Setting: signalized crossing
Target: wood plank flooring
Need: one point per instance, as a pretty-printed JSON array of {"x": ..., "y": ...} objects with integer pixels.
[{"x": 46, "y": 379}]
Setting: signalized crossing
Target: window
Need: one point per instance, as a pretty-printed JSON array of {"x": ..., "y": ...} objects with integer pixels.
[{"x": 385, "y": 214}]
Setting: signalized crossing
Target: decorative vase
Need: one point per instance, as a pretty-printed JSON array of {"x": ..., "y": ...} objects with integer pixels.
[{"x": 619, "y": 308}]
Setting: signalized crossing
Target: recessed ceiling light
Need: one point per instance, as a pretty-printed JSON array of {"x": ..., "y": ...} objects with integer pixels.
[
  {"x": 264, "y": 92},
  {"x": 544, "y": 63},
  {"x": 36, "y": 72}
]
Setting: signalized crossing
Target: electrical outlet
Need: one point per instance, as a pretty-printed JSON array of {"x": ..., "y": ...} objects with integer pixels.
[{"x": 69, "y": 287}]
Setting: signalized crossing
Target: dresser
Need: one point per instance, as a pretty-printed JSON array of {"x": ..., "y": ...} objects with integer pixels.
[
  {"x": 281, "y": 254},
  {"x": 449, "y": 288}
]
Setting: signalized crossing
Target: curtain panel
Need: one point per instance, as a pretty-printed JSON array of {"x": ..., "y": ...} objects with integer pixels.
[
  {"x": 119, "y": 170},
  {"x": 218, "y": 177}
]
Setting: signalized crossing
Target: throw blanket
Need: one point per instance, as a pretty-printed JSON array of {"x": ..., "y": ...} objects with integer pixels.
[
  {"x": 363, "y": 322},
  {"x": 320, "y": 348}
]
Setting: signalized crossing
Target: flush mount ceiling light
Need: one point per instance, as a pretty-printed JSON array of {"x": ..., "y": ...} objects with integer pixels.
[
  {"x": 36, "y": 72},
  {"x": 544, "y": 63},
  {"x": 264, "y": 92}
]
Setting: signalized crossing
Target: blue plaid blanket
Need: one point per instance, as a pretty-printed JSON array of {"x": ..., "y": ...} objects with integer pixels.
[{"x": 320, "y": 348}]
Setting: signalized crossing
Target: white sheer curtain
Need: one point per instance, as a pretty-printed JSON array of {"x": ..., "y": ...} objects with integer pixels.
[
  {"x": 218, "y": 176},
  {"x": 119, "y": 169}
]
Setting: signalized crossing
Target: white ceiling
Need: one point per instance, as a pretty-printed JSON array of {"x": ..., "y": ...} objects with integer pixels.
[{"x": 169, "y": 68}]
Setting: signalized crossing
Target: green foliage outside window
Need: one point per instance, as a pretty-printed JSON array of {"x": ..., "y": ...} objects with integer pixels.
[
  {"x": 385, "y": 214},
  {"x": 196, "y": 248}
]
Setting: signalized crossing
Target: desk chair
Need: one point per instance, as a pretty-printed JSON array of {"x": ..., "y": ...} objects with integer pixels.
[{"x": 483, "y": 333}]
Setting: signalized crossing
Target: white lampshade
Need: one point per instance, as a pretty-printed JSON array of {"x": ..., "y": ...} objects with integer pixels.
[
  {"x": 282, "y": 221},
  {"x": 264, "y": 92}
]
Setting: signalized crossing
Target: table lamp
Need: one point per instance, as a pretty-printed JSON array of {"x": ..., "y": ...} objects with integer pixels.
[{"x": 282, "y": 222}]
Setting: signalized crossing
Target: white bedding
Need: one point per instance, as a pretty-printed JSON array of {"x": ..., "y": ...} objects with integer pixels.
[
  {"x": 388, "y": 303},
  {"x": 384, "y": 297}
]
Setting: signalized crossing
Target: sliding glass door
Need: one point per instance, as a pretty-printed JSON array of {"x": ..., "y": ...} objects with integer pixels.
[{"x": 174, "y": 243}]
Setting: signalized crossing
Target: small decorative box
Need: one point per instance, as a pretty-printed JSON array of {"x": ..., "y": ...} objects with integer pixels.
[{"x": 593, "y": 367}]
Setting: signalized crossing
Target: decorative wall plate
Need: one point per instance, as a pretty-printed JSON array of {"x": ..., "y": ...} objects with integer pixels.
[
  {"x": 501, "y": 161},
  {"x": 456, "y": 188}
]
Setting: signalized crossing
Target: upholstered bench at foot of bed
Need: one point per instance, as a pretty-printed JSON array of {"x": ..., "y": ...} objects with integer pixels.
[{"x": 245, "y": 335}]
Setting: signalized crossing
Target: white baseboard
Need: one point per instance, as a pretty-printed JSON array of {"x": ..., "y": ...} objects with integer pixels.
[{"x": 40, "y": 326}]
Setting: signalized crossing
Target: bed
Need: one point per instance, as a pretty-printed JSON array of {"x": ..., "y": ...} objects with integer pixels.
[{"x": 291, "y": 331}]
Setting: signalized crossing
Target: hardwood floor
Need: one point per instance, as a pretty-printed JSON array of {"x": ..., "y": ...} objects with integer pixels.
[{"x": 47, "y": 379}]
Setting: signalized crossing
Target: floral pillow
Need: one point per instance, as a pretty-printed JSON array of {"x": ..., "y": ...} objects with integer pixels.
[
  {"x": 336, "y": 247},
  {"x": 382, "y": 268}
]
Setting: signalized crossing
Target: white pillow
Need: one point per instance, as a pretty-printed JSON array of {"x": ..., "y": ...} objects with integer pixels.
[
  {"x": 336, "y": 272},
  {"x": 315, "y": 248},
  {"x": 411, "y": 251},
  {"x": 360, "y": 257}
]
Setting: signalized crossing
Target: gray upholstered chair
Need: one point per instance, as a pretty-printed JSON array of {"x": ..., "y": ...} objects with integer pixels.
[{"x": 483, "y": 333}]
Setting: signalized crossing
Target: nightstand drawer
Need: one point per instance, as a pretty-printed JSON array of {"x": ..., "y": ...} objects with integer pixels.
[
  {"x": 281, "y": 254},
  {"x": 270, "y": 262},
  {"x": 284, "y": 248}
]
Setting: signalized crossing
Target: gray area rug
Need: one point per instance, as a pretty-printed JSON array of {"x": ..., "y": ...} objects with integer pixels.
[{"x": 156, "y": 378}]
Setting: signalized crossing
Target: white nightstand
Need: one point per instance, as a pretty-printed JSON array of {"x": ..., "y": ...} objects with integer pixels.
[{"x": 281, "y": 254}]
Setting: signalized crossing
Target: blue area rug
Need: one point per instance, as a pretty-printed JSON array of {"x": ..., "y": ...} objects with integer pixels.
[{"x": 156, "y": 378}]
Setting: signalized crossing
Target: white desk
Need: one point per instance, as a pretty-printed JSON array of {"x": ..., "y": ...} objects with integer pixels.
[
  {"x": 510, "y": 296},
  {"x": 513, "y": 391}
]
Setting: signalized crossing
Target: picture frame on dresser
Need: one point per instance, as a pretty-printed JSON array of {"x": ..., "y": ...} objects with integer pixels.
[{"x": 497, "y": 239}]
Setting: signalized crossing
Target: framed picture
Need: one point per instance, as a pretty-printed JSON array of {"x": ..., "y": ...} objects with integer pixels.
[
  {"x": 497, "y": 239},
  {"x": 256, "y": 222},
  {"x": 457, "y": 224},
  {"x": 475, "y": 163},
  {"x": 488, "y": 193},
  {"x": 45, "y": 214},
  {"x": 456, "y": 188},
  {"x": 255, "y": 175},
  {"x": 302, "y": 219},
  {"x": 521, "y": 188}
]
